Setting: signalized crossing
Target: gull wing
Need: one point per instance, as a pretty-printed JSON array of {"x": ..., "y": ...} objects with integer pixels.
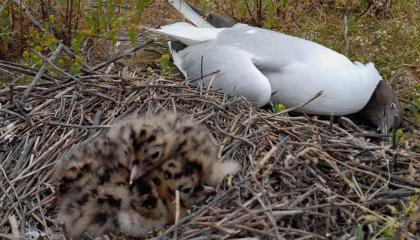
[{"x": 223, "y": 67}]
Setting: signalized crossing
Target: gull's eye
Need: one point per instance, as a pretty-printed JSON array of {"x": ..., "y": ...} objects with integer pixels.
[{"x": 393, "y": 106}]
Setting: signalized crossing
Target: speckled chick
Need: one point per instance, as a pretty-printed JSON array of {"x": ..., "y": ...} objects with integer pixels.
[{"x": 125, "y": 179}]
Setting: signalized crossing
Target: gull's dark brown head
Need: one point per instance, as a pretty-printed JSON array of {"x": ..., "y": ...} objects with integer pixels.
[{"x": 384, "y": 108}]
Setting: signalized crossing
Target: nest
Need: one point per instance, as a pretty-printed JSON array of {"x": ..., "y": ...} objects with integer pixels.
[{"x": 301, "y": 177}]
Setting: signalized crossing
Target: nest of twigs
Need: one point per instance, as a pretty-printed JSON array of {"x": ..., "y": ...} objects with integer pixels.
[{"x": 302, "y": 177}]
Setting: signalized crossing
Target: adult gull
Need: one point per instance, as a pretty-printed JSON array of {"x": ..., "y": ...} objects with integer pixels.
[{"x": 263, "y": 66}]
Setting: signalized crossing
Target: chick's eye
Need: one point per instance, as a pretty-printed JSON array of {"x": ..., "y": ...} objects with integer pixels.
[
  {"x": 198, "y": 188},
  {"x": 186, "y": 190},
  {"x": 155, "y": 155}
]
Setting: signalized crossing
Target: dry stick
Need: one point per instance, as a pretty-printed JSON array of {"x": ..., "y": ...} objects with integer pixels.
[
  {"x": 11, "y": 95},
  {"x": 265, "y": 119},
  {"x": 385, "y": 174},
  {"x": 378, "y": 174},
  {"x": 269, "y": 214},
  {"x": 201, "y": 68},
  {"x": 357, "y": 204},
  {"x": 16, "y": 65},
  {"x": 223, "y": 229},
  {"x": 177, "y": 211},
  {"x": 198, "y": 212},
  {"x": 246, "y": 204},
  {"x": 298, "y": 106},
  {"x": 20, "y": 69},
  {"x": 273, "y": 150},
  {"x": 126, "y": 53},
  {"x": 55, "y": 66},
  {"x": 346, "y": 39},
  {"x": 256, "y": 231},
  {"x": 56, "y": 97},
  {"x": 41, "y": 210},
  {"x": 14, "y": 225},
  {"x": 313, "y": 235},
  {"x": 29, "y": 15},
  {"x": 23, "y": 173},
  {"x": 351, "y": 123},
  {"x": 204, "y": 76},
  {"x": 371, "y": 134},
  {"x": 13, "y": 113},
  {"x": 302, "y": 197},
  {"x": 85, "y": 67},
  {"x": 11, "y": 186},
  {"x": 10, "y": 237},
  {"x": 235, "y": 137},
  {"x": 41, "y": 71}
]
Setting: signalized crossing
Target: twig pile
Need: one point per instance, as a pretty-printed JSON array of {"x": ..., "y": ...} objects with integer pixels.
[{"x": 301, "y": 177}]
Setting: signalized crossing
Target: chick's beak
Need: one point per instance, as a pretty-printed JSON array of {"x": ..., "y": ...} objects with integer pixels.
[
  {"x": 207, "y": 191},
  {"x": 135, "y": 173}
]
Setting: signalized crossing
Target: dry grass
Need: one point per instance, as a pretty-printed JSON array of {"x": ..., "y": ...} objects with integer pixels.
[{"x": 301, "y": 176}]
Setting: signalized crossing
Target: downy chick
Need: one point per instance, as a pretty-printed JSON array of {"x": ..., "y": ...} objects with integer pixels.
[{"x": 125, "y": 179}]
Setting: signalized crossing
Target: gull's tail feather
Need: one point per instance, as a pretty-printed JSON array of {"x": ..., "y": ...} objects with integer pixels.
[
  {"x": 190, "y": 14},
  {"x": 198, "y": 18},
  {"x": 187, "y": 33}
]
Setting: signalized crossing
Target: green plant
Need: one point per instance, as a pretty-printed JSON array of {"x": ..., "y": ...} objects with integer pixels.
[
  {"x": 278, "y": 108},
  {"x": 166, "y": 65},
  {"x": 141, "y": 5},
  {"x": 132, "y": 34},
  {"x": 68, "y": 21}
]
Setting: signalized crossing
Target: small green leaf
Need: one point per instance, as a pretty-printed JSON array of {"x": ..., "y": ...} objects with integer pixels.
[
  {"x": 166, "y": 65},
  {"x": 78, "y": 59},
  {"x": 158, "y": 233},
  {"x": 60, "y": 62},
  {"x": 418, "y": 87},
  {"x": 38, "y": 48},
  {"x": 75, "y": 68},
  {"x": 369, "y": 218},
  {"x": 25, "y": 55},
  {"x": 324, "y": 163},
  {"x": 166, "y": 57},
  {"x": 132, "y": 34},
  {"x": 388, "y": 230},
  {"x": 418, "y": 102},
  {"x": 394, "y": 210},
  {"x": 399, "y": 135},
  {"x": 51, "y": 18},
  {"x": 279, "y": 108}
]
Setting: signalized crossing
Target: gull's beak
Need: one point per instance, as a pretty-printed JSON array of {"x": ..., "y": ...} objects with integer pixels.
[
  {"x": 383, "y": 123},
  {"x": 384, "y": 127}
]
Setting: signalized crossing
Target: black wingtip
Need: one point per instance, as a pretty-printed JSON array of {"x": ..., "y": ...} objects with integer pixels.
[
  {"x": 215, "y": 20},
  {"x": 177, "y": 46}
]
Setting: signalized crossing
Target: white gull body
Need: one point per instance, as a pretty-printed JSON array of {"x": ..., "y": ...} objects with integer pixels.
[{"x": 264, "y": 66}]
